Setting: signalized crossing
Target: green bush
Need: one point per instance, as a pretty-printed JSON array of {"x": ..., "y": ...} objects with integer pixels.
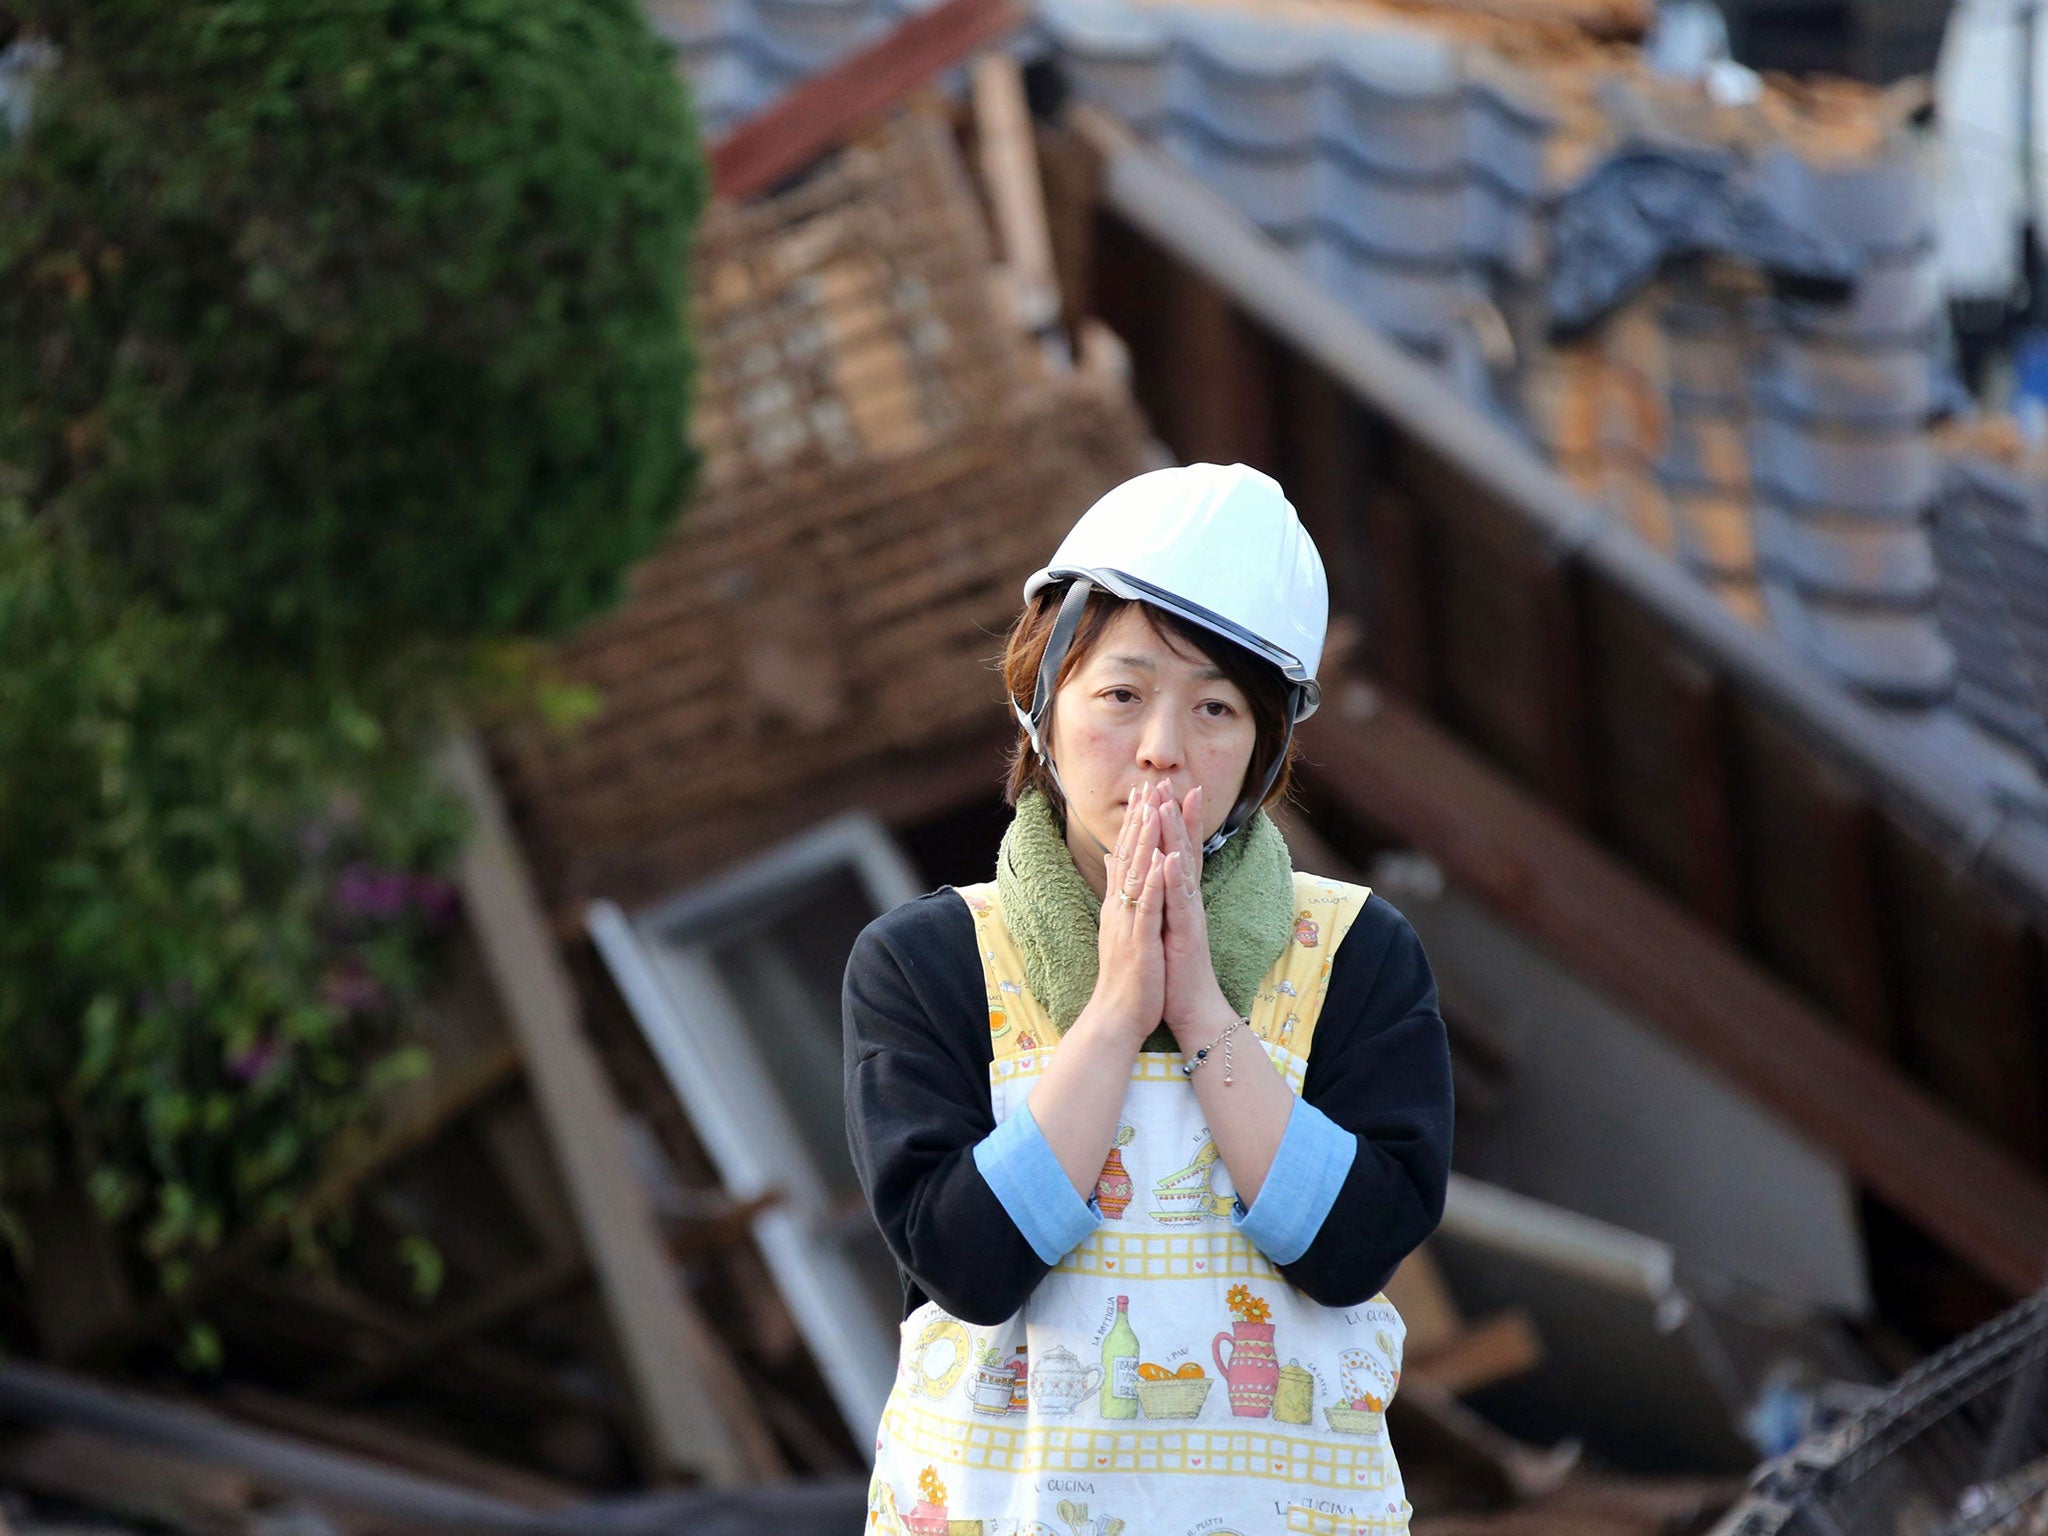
[
  {"x": 338, "y": 318},
  {"x": 219, "y": 893},
  {"x": 346, "y": 353}
]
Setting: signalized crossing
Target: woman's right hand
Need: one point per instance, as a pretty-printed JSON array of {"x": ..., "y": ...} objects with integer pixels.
[{"x": 1130, "y": 972}]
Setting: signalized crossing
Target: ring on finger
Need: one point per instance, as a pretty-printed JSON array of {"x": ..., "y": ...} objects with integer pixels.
[{"x": 1127, "y": 899}]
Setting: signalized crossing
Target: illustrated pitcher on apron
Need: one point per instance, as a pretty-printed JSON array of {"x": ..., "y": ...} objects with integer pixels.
[{"x": 1179, "y": 1385}]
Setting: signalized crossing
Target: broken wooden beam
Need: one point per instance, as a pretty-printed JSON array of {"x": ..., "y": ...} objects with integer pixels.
[
  {"x": 695, "y": 1411},
  {"x": 1008, "y": 155},
  {"x": 1384, "y": 763},
  {"x": 1482, "y": 1354},
  {"x": 831, "y": 107}
]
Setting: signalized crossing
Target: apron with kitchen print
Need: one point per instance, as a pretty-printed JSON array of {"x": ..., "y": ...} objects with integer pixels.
[{"x": 1163, "y": 1379}]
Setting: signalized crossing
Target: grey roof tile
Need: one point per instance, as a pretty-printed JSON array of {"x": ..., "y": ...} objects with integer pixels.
[
  {"x": 803, "y": 36},
  {"x": 1117, "y": 57},
  {"x": 1256, "y": 85},
  {"x": 690, "y": 24},
  {"x": 1895, "y": 298},
  {"x": 1990, "y": 600},
  {"x": 1426, "y": 219},
  {"x": 1502, "y": 227},
  {"x": 1507, "y": 127},
  {"x": 1883, "y": 205},
  {"x": 1411, "y": 159},
  {"x": 1891, "y": 654},
  {"x": 1814, "y": 377},
  {"x": 1418, "y": 302},
  {"x": 1396, "y": 101},
  {"x": 1710, "y": 369},
  {"x": 1275, "y": 187},
  {"x": 1884, "y": 474},
  {"x": 1845, "y": 557}
]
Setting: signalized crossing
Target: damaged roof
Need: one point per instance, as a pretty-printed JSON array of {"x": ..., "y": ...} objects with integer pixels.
[{"x": 1775, "y": 439}]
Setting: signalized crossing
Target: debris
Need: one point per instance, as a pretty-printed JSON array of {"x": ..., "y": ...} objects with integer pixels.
[{"x": 831, "y": 107}]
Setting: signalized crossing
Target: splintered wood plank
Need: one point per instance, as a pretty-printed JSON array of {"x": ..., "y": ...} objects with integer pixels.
[
  {"x": 1009, "y": 169},
  {"x": 1489, "y": 1351},
  {"x": 1070, "y": 172},
  {"x": 1389, "y": 767},
  {"x": 694, "y": 1408}
]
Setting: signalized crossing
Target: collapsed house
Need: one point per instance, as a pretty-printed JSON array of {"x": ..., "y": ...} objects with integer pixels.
[{"x": 1737, "y": 907}]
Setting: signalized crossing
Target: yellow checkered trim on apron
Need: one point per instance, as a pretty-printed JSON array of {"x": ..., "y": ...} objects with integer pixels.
[
  {"x": 1318, "y": 1524},
  {"x": 1259, "y": 1454}
]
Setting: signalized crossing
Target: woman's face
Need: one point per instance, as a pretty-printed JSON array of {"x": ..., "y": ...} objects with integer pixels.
[{"x": 1140, "y": 710}]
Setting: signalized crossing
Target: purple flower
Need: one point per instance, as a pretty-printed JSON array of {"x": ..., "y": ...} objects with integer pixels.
[
  {"x": 367, "y": 891},
  {"x": 351, "y": 987},
  {"x": 246, "y": 1066}
]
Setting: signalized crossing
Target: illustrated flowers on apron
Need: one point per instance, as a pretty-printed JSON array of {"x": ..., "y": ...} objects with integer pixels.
[
  {"x": 1118, "y": 1427},
  {"x": 1252, "y": 1369}
]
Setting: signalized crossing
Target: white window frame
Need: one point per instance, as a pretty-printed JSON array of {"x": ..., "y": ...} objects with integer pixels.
[{"x": 700, "y": 1038}]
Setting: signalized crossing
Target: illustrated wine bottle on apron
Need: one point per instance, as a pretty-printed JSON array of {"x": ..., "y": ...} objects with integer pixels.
[{"x": 1120, "y": 1366}]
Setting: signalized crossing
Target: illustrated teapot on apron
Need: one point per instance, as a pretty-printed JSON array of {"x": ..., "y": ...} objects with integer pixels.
[{"x": 1061, "y": 1381}]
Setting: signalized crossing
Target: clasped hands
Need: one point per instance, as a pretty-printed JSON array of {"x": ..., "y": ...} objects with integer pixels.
[{"x": 1153, "y": 946}]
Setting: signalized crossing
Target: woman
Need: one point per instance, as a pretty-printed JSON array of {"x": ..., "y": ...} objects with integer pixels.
[{"x": 1149, "y": 1119}]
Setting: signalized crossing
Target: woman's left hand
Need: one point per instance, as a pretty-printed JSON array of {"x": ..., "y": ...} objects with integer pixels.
[{"x": 1193, "y": 998}]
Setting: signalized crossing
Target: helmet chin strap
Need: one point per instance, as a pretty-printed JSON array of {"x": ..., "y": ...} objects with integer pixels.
[
  {"x": 1057, "y": 644},
  {"x": 1248, "y": 805}
]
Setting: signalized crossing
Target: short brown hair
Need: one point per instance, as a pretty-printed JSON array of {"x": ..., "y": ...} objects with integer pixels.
[{"x": 1265, "y": 689}]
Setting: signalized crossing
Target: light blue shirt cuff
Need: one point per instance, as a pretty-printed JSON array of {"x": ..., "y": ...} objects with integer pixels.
[
  {"x": 1308, "y": 1171},
  {"x": 1019, "y": 1165}
]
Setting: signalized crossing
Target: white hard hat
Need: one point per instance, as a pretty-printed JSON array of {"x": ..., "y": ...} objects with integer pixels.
[{"x": 1217, "y": 545}]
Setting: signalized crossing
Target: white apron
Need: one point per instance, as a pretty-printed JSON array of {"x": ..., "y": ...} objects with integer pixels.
[{"x": 1246, "y": 1410}]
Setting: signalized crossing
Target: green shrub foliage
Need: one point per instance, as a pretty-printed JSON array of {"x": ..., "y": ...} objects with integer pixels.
[
  {"x": 346, "y": 355},
  {"x": 339, "y": 317},
  {"x": 220, "y": 892}
]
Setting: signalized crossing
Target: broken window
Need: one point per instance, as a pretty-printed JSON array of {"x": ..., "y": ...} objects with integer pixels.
[{"x": 736, "y": 985}]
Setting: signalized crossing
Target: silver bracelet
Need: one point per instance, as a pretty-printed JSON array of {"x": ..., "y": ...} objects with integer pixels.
[{"x": 1187, "y": 1068}]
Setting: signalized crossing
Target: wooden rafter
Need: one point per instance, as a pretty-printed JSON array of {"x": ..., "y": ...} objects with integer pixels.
[{"x": 1384, "y": 763}]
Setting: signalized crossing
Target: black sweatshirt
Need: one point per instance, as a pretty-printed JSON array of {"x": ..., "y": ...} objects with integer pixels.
[{"x": 917, "y": 1103}]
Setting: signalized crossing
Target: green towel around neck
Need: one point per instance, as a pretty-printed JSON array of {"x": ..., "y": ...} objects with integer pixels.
[{"x": 1247, "y": 889}]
